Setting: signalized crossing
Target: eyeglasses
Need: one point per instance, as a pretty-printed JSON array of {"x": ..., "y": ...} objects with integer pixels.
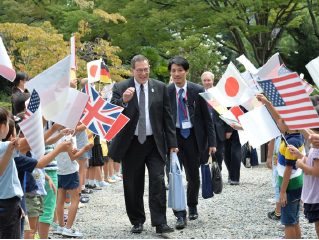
[{"x": 146, "y": 70}]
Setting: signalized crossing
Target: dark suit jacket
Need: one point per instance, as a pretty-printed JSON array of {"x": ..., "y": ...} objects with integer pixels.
[
  {"x": 221, "y": 127},
  {"x": 160, "y": 118},
  {"x": 201, "y": 120}
]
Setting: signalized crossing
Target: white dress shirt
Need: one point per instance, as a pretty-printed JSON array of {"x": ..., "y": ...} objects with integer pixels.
[
  {"x": 147, "y": 113},
  {"x": 184, "y": 96}
]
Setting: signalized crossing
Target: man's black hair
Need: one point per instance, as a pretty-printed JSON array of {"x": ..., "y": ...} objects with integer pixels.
[
  {"x": 19, "y": 101},
  {"x": 180, "y": 61}
]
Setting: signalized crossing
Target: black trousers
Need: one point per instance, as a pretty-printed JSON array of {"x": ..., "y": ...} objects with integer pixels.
[
  {"x": 189, "y": 157},
  {"x": 133, "y": 166},
  {"x": 10, "y": 213},
  {"x": 232, "y": 156}
]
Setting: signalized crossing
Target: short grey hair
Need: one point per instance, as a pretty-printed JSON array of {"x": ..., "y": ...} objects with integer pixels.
[
  {"x": 138, "y": 58},
  {"x": 207, "y": 73}
]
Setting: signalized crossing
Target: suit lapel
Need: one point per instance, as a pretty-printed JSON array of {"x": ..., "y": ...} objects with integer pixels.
[
  {"x": 151, "y": 92},
  {"x": 134, "y": 99},
  {"x": 172, "y": 97},
  {"x": 190, "y": 100}
]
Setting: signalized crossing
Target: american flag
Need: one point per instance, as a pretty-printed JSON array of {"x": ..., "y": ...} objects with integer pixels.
[
  {"x": 99, "y": 115},
  {"x": 291, "y": 100},
  {"x": 32, "y": 126},
  {"x": 283, "y": 70}
]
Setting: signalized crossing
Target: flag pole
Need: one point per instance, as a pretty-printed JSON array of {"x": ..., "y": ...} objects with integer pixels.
[{"x": 285, "y": 140}]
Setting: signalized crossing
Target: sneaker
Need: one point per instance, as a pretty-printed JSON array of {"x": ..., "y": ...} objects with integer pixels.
[
  {"x": 36, "y": 235},
  {"x": 59, "y": 230},
  {"x": 72, "y": 232},
  {"x": 273, "y": 216},
  {"x": 54, "y": 225},
  {"x": 115, "y": 177},
  {"x": 119, "y": 175},
  {"x": 104, "y": 184},
  {"x": 84, "y": 199},
  {"x": 109, "y": 180},
  {"x": 95, "y": 187},
  {"x": 87, "y": 191}
]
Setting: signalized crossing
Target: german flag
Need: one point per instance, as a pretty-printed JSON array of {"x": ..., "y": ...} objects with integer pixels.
[{"x": 105, "y": 73}]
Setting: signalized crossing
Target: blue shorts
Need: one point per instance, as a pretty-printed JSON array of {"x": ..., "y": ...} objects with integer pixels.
[
  {"x": 290, "y": 213},
  {"x": 68, "y": 182}
]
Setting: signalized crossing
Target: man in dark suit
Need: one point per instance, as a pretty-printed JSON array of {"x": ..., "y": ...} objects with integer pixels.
[
  {"x": 194, "y": 130},
  {"x": 141, "y": 142},
  {"x": 222, "y": 129}
]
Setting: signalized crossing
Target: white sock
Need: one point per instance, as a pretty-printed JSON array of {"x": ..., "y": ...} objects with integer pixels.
[
  {"x": 91, "y": 182},
  {"x": 86, "y": 181}
]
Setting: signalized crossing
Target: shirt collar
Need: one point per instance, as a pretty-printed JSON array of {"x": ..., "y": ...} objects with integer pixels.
[
  {"x": 138, "y": 85},
  {"x": 178, "y": 88}
]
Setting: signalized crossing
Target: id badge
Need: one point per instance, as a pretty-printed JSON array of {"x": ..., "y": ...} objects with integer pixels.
[{"x": 186, "y": 124}]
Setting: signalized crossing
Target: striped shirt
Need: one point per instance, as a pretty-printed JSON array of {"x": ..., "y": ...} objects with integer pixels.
[{"x": 286, "y": 159}]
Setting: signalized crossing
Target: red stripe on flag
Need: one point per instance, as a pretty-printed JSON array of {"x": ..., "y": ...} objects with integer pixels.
[
  {"x": 284, "y": 78},
  {"x": 306, "y": 125},
  {"x": 116, "y": 127},
  {"x": 303, "y": 100},
  {"x": 291, "y": 85},
  {"x": 237, "y": 112},
  {"x": 292, "y": 94},
  {"x": 7, "y": 73},
  {"x": 301, "y": 117},
  {"x": 296, "y": 110}
]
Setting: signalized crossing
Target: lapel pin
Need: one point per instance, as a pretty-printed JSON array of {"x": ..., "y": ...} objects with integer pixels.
[{"x": 152, "y": 90}]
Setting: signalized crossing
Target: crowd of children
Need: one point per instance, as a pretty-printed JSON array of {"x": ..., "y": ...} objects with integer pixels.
[
  {"x": 35, "y": 192},
  {"x": 33, "y": 195}
]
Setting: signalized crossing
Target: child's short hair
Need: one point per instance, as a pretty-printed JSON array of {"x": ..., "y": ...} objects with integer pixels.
[
  {"x": 314, "y": 99},
  {"x": 19, "y": 100},
  {"x": 4, "y": 115},
  {"x": 317, "y": 110}
]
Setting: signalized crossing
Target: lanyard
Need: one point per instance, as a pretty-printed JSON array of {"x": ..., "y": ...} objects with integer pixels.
[{"x": 184, "y": 110}]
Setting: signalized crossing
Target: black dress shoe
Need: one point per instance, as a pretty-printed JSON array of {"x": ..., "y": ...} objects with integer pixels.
[
  {"x": 164, "y": 228},
  {"x": 137, "y": 228},
  {"x": 181, "y": 223},
  {"x": 192, "y": 213}
]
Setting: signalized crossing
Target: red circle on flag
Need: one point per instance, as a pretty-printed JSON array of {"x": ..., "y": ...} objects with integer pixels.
[
  {"x": 93, "y": 70},
  {"x": 231, "y": 87}
]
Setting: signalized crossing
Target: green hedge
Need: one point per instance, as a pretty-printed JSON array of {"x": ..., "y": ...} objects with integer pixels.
[{"x": 7, "y": 105}]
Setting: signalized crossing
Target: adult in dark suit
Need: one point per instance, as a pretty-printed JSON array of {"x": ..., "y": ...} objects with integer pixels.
[
  {"x": 222, "y": 129},
  {"x": 194, "y": 130},
  {"x": 141, "y": 143}
]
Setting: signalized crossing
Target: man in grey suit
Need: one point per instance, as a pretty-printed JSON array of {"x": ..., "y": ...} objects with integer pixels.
[{"x": 141, "y": 143}]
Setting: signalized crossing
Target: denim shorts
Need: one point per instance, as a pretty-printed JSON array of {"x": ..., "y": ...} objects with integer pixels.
[
  {"x": 68, "y": 182},
  {"x": 290, "y": 213}
]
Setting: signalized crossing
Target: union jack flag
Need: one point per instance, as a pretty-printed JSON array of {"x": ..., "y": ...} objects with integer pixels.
[
  {"x": 99, "y": 115},
  {"x": 291, "y": 100}
]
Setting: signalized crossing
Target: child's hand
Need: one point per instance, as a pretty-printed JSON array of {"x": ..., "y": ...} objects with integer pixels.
[
  {"x": 74, "y": 150},
  {"x": 52, "y": 186},
  {"x": 283, "y": 199},
  {"x": 294, "y": 151},
  {"x": 299, "y": 163},
  {"x": 262, "y": 98},
  {"x": 14, "y": 144},
  {"x": 64, "y": 146},
  {"x": 236, "y": 126},
  {"x": 89, "y": 146}
]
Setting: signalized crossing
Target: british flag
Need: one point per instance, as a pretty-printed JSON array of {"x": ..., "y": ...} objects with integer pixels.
[
  {"x": 99, "y": 115},
  {"x": 289, "y": 97}
]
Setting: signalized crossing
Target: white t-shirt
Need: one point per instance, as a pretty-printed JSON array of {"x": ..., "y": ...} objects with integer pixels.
[
  {"x": 9, "y": 182},
  {"x": 65, "y": 164}
]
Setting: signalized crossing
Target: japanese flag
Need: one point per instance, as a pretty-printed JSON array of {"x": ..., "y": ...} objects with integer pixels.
[
  {"x": 94, "y": 70},
  {"x": 230, "y": 87}
]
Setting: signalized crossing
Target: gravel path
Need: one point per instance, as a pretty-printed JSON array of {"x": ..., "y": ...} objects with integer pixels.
[{"x": 238, "y": 212}]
